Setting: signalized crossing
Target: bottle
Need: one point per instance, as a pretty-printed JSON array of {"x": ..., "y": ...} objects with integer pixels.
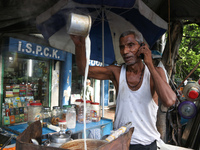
[
  {"x": 34, "y": 112},
  {"x": 25, "y": 114},
  {"x": 63, "y": 126},
  {"x": 46, "y": 116},
  {"x": 77, "y": 105},
  {"x": 81, "y": 112},
  {"x": 64, "y": 111},
  {"x": 71, "y": 117},
  {"x": 78, "y": 101},
  {"x": 118, "y": 132},
  {"x": 88, "y": 109},
  {"x": 7, "y": 112},
  {"x": 55, "y": 115},
  {"x": 95, "y": 112}
]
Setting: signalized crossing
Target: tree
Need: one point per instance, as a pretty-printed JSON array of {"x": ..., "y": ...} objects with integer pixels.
[
  {"x": 180, "y": 56},
  {"x": 189, "y": 52}
]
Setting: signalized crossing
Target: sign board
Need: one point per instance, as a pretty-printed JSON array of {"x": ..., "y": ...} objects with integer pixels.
[
  {"x": 28, "y": 48},
  {"x": 95, "y": 63}
]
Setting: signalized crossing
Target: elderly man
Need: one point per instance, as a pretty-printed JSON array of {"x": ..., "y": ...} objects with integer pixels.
[
  {"x": 138, "y": 85},
  {"x": 88, "y": 91}
]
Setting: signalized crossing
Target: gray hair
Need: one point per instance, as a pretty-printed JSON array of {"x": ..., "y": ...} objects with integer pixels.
[
  {"x": 138, "y": 36},
  {"x": 88, "y": 81}
]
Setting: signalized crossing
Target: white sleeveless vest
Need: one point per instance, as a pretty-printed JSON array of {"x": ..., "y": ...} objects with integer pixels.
[{"x": 137, "y": 107}]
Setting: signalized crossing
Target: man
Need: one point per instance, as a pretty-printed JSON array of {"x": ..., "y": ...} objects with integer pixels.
[
  {"x": 138, "y": 85},
  {"x": 88, "y": 91}
]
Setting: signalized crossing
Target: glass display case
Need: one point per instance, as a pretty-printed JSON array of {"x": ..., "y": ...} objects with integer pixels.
[{"x": 25, "y": 80}]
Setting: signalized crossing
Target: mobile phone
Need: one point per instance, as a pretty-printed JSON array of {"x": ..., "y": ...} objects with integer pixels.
[{"x": 142, "y": 55}]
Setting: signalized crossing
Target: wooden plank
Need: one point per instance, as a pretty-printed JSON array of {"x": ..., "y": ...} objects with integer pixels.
[
  {"x": 121, "y": 143},
  {"x": 34, "y": 130}
]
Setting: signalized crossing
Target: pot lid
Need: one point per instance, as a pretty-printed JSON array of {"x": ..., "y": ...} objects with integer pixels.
[
  {"x": 79, "y": 100},
  {"x": 87, "y": 101},
  {"x": 60, "y": 138},
  {"x": 193, "y": 94},
  {"x": 187, "y": 109},
  {"x": 66, "y": 106},
  {"x": 62, "y": 120},
  {"x": 94, "y": 103}
]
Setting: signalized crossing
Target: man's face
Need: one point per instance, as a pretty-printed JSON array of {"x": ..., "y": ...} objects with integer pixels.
[
  {"x": 88, "y": 82},
  {"x": 128, "y": 49}
]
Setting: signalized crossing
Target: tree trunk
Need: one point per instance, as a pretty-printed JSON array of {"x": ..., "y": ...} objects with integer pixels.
[
  {"x": 169, "y": 61},
  {"x": 172, "y": 46}
]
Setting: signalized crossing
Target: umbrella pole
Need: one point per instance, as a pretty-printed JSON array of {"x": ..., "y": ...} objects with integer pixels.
[{"x": 102, "y": 60}]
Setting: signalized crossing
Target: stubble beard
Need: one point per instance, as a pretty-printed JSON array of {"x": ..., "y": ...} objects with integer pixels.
[{"x": 132, "y": 62}]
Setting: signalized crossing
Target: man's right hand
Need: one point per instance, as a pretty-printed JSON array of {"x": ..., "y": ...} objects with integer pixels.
[{"x": 78, "y": 40}]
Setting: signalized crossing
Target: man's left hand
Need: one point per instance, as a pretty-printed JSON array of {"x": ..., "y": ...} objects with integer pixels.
[{"x": 146, "y": 52}]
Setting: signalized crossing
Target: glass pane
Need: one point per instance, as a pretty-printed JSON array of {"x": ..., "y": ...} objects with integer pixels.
[
  {"x": 27, "y": 79},
  {"x": 111, "y": 96},
  {"x": 77, "y": 81}
]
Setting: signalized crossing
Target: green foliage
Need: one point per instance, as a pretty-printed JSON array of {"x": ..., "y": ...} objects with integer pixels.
[{"x": 189, "y": 52}]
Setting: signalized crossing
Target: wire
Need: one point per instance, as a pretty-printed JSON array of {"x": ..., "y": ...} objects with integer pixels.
[{"x": 7, "y": 142}]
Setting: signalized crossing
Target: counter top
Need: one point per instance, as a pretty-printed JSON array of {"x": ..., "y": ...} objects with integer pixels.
[{"x": 79, "y": 127}]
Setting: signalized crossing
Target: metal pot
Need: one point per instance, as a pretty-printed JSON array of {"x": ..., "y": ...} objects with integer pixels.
[
  {"x": 92, "y": 144},
  {"x": 57, "y": 139},
  {"x": 78, "y": 24}
]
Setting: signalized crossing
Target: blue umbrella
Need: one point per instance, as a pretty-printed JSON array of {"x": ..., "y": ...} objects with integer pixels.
[{"x": 109, "y": 19}]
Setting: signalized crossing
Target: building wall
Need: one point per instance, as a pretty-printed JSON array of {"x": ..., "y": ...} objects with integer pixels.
[
  {"x": 55, "y": 84},
  {"x": 1, "y": 90}
]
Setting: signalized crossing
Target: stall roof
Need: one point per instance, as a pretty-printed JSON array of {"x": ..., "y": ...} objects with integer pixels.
[{"x": 18, "y": 16}]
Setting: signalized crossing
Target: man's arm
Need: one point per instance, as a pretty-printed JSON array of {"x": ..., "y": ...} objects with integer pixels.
[
  {"x": 158, "y": 79},
  {"x": 162, "y": 88},
  {"x": 96, "y": 72}
]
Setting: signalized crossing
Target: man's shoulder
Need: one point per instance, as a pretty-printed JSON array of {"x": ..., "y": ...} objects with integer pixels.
[{"x": 115, "y": 68}]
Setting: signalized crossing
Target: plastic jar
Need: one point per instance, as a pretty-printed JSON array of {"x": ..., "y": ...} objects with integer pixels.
[
  {"x": 78, "y": 101},
  {"x": 34, "y": 112},
  {"x": 95, "y": 112},
  {"x": 71, "y": 117},
  {"x": 81, "y": 112},
  {"x": 46, "y": 116},
  {"x": 62, "y": 125},
  {"x": 64, "y": 111},
  {"x": 55, "y": 115},
  {"x": 77, "y": 105}
]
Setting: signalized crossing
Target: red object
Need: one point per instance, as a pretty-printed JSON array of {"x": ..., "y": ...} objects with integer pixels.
[
  {"x": 199, "y": 82},
  {"x": 94, "y": 103},
  {"x": 79, "y": 100},
  {"x": 35, "y": 104},
  {"x": 62, "y": 120},
  {"x": 7, "y": 112},
  {"x": 12, "y": 119},
  {"x": 193, "y": 94},
  {"x": 88, "y": 101}
]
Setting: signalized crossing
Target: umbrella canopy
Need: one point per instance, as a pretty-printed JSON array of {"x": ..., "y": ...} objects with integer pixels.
[{"x": 115, "y": 16}]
